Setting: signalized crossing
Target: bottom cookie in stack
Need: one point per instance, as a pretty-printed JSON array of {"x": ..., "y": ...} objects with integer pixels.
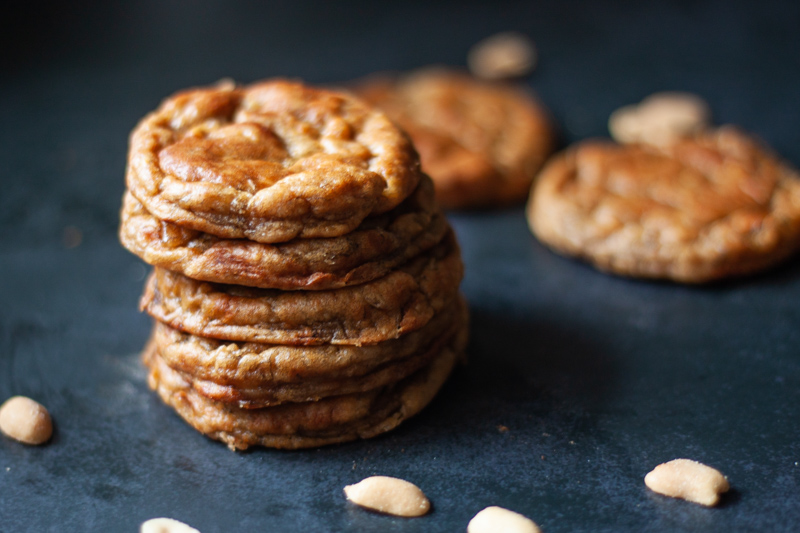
[{"x": 246, "y": 394}]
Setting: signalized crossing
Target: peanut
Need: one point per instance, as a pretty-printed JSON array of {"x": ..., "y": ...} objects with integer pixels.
[
  {"x": 495, "y": 519},
  {"x": 165, "y": 525},
  {"x": 689, "y": 480},
  {"x": 659, "y": 118},
  {"x": 388, "y": 495},
  {"x": 25, "y": 420},
  {"x": 505, "y": 55}
]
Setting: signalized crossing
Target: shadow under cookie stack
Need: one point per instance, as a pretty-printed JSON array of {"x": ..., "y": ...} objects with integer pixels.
[{"x": 305, "y": 289}]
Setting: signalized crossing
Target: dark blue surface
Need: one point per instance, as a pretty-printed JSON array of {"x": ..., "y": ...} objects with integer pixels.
[{"x": 596, "y": 378}]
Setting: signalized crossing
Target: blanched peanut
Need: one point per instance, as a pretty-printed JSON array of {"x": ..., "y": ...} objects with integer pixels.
[
  {"x": 25, "y": 420},
  {"x": 689, "y": 480},
  {"x": 388, "y": 495},
  {"x": 165, "y": 525},
  {"x": 499, "y": 520},
  {"x": 659, "y": 119},
  {"x": 505, "y": 55}
]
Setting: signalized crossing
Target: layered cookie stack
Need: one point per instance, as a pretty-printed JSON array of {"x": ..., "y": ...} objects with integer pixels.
[{"x": 305, "y": 287}]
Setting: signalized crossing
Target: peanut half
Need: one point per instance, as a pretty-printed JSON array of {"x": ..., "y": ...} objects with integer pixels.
[
  {"x": 165, "y": 525},
  {"x": 504, "y": 55},
  {"x": 388, "y": 495},
  {"x": 689, "y": 480},
  {"x": 25, "y": 420},
  {"x": 496, "y": 519},
  {"x": 659, "y": 119}
]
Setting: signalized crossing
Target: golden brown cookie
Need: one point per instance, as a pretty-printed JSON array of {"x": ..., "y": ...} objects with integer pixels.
[
  {"x": 306, "y": 424},
  {"x": 379, "y": 244},
  {"x": 255, "y": 375},
  {"x": 269, "y": 162},
  {"x": 481, "y": 142},
  {"x": 702, "y": 208},
  {"x": 400, "y": 302}
]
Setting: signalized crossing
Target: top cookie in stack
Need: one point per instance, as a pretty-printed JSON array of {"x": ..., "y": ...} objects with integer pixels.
[{"x": 306, "y": 283}]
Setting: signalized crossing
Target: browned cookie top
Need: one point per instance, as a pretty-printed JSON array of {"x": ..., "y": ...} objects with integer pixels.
[
  {"x": 371, "y": 250},
  {"x": 481, "y": 142},
  {"x": 701, "y": 208},
  {"x": 269, "y": 162}
]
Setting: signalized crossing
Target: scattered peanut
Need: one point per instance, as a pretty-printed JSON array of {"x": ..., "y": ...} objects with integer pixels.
[
  {"x": 689, "y": 480},
  {"x": 659, "y": 118},
  {"x": 388, "y": 495},
  {"x": 497, "y": 519},
  {"x": 25, "y": 420},
  {"x": 504, "y": 55},
  {"x": 165, "y": 525}
]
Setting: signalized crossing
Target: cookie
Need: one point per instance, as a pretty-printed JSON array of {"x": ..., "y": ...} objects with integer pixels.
[
  {"x": 698, "y": 209},
  {"x": 371, "y": 250},
  {"x": 269, "y": 162},
  {"x": 306, "y": 424},
  {"x": 400, "y": 302},
  {"x": 256, "y": 375},
  {"x": 481, "y": 142}
]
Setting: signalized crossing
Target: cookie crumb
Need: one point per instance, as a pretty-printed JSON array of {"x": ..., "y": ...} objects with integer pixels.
[
  {"x": 501, "y": 428},
  {"x": 71, "y": 237}
]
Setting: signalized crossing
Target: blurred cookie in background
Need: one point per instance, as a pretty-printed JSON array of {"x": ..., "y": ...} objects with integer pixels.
[
  {"x": 482, "y": 142},
  {"x": 694, "y": 209},
  {"x": 660, "y": 118}
]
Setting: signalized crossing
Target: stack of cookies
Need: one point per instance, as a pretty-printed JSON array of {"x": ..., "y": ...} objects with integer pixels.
[{"x": 305, "y": 287}]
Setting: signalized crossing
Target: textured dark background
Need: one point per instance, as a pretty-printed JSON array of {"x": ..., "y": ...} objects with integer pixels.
[{"x": 597, "y": 378}]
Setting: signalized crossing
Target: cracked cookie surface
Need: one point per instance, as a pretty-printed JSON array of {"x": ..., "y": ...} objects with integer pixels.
[{"x": 269, "y": 162}]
